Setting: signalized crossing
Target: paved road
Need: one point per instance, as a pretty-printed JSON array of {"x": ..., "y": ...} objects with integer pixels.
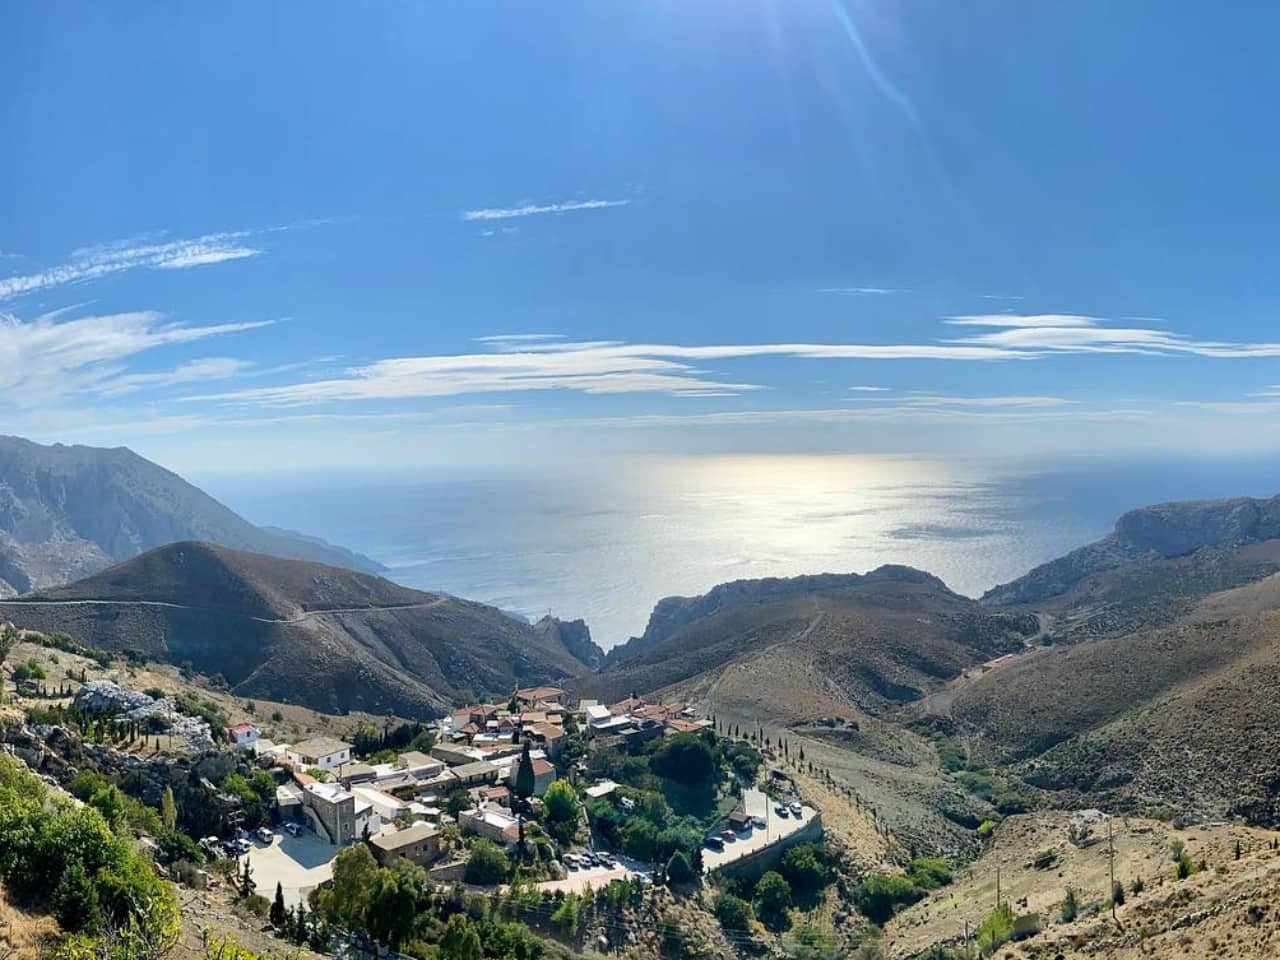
[{"x": 308, "y": 615}]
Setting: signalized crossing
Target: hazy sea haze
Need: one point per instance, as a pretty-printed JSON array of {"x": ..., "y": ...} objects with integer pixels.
[{"x": 606, "y": 541}]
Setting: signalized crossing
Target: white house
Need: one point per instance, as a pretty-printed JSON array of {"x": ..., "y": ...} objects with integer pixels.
[
  {"x": 322, "y": 752},
  {"x": 598, "y": 716},
  {"x": 243, "y": 735}
]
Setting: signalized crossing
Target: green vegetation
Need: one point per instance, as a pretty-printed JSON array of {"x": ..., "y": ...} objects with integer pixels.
[
  {"x": 773, "y": 900},
  {"x": 561, "y": 811},
  {"x": 1070, "y": 906},
  {"x": 929, "y": 873},
  {"x": 732, "y": 911},
  {"x": 205, "y": 710},
  {"x": 881, "y": 895},
  {"x": 69, "y": 861},
  {"x": 487, "y": 864},
  {"x": 996, "y": 930}
]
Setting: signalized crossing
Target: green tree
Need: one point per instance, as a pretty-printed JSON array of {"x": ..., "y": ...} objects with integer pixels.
[
  {"x": 685, "y": 758},
  {"x": 560, "y": 802},
  {"x": 460, "y": 940},
  {"x": 679, "y": 870},
  {"x": 487, "y": 864},
  {"x": 733, "y": 912},
  {"x": 168, "y": 809},
  {"x": 353, "y": 875},
  {"x": 525, "y": 780},
  {"x": 773, "y": 899},
  {"x": 393, "y": 904},
  {"x": 277, "y": 916},
  {"x": 806, "y": 867}
]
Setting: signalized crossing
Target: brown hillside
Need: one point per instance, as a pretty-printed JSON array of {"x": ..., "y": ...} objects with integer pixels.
[{"x": 322, "y": 636}]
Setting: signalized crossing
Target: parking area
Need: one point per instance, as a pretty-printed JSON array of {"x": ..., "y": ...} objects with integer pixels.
[
  {"x": 777, "y": 828},
  {"x": 595, "y": 877},
  {"x": 299, "y": 864}
]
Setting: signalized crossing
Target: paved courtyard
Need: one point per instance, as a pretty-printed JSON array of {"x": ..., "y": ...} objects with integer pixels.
[
  {"x": 777, "y": 828},
  {"x": 298, "y": 864}
]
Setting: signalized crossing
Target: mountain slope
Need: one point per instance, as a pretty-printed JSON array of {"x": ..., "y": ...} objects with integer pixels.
[
  {"x": 1173, "y": 706},
  {"x": 1162, "y": 530},
  {"x": 68, "y": 511},
  {"x": 326, "y": 637},
  {"x": 833, "y": 663}
]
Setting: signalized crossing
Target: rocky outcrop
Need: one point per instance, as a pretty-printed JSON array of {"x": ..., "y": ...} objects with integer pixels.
[
  {"x": 107, "y": 698},
  {"x": 575, "y": 637}
]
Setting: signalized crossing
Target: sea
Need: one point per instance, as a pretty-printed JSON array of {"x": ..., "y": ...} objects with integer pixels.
[{"x": 604, "y": 540}]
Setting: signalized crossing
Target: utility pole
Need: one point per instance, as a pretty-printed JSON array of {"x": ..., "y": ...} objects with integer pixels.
[{"x": 997, "y": 888}]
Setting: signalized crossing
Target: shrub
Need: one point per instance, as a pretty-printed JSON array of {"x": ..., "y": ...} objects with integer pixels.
[
  {"x": 996, "y": 930},
  {"x": 881, "y": 894},
  {"x": 734, "y": 913},
  {"x": 929, "y": 873},
  {"x": 986, "y": 828},
  {"x": 1117, "y": 894},
  {"x": 807, "y": 866},
  {"x": 1070, "y": 906},
  {"x": 773, "y": 899}
]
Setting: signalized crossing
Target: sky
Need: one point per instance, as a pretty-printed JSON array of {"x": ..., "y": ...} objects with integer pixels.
[{"x": 248, "y": 237}]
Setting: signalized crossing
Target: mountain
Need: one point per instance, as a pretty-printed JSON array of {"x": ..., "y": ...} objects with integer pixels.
[
  {"x": 1163, "y": 700},
  {"x": 325, "y": 637},
  {"x": 69, "y": 511},
  {"x": 834, "y": 663},
  {"x": 1163, "y": 530}
]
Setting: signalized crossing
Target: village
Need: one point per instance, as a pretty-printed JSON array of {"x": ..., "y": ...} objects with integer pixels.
[{"x": 485, "y": 776}]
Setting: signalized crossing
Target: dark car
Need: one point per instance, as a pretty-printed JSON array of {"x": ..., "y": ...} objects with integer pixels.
[{"x": 715, "y": 843}]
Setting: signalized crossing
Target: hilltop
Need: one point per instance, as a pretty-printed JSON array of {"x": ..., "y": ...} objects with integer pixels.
[
  {"x": 832, "y": 661},
  {"x": 69, "y": 511},
  {"x": 321, "y": 636}
]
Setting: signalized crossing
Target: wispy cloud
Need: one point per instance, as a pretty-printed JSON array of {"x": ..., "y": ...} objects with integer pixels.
[
  {"x": 92, "y": 263},
  {"x": 863, "y": 388},
  {"x": 47, "y": 358},
  {"x": 543, "y": 362},
  {"x": 863, "y": 291},
  {"x": 1067, "y": 333},
  {"x": 1001, "y": 296},
  {"x": 535, "y": 209},
  {"x": 194, "y": 371}
]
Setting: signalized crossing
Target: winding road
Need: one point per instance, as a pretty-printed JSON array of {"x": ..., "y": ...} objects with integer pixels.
[{"x": 306, "y": 615}]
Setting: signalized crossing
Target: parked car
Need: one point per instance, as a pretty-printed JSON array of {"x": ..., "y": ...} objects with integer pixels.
[
  {"x": 606, "y": 859},
  {"x": 759, "y": 823},
  {"x": 713, "y": 842},
  {"x": 293, "y": 829},
  {"x": 796, "y": 808},
  {"x": 264, "y": 834},
  {"x": 728, "y": 835},
  {"x": 780, "y": 810}
]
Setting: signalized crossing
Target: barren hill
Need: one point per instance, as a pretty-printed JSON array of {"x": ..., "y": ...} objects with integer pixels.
[
  {"x": 833, "y": 663},
  {"x": 69, "y": 511},
  {"x": 322, "y": 636}
]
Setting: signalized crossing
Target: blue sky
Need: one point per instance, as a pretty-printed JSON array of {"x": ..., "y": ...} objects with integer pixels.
[{"x": 390, "y": 236}]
